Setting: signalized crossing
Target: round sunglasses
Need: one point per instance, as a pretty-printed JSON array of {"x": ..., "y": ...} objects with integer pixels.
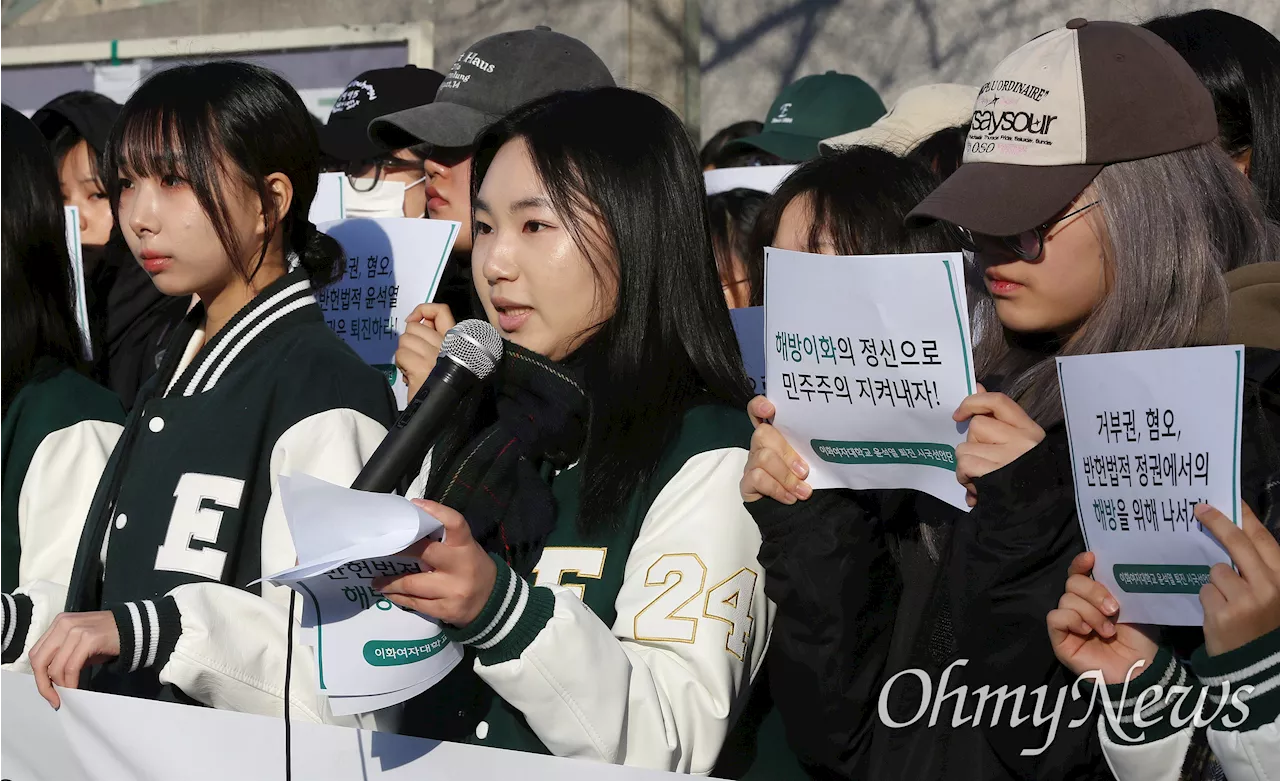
[{"x": 1028, "y": 245}]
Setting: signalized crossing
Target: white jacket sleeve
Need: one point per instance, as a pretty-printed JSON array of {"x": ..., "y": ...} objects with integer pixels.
[
  {"x": 1240, "y": 691},
  {"x": 56, "y": 493},
  {"x": 226, "y": 647},
  {"x": 657, "y": 689},
  {"x": 28, "y": 612}
]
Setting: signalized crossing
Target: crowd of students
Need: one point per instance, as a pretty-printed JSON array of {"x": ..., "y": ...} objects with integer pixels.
[{"x": 633, "y": 559}]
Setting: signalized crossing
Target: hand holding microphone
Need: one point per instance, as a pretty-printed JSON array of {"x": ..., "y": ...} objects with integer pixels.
[
  {"x": 419, "y": 345},
  {"x": 469, "y": 354}
]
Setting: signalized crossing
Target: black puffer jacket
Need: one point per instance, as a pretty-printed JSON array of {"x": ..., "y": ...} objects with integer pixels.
[{"x": 874, "y": 583}]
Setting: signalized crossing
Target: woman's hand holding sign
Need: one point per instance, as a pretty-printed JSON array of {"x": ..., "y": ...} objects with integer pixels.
[
  {"x": 773, "y": 468},
  {"x": 1240, "y": 607},
  {"x": 1000, "y": 432},
  {"x": 1084, "y": 632}
]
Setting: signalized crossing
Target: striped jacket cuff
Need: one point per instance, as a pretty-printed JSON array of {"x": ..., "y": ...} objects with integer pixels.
[
  {"x": 1255, "y": 664},
  {"x": 149, "y": 630},
  {"x": 511, "y": 618},
  {"x": 17, "y": 621},
  {"x": 1164, "y": 672}
]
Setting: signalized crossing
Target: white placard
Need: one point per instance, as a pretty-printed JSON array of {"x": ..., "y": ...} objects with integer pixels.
[
  {"x": 1152, "y": 434},
  {"x": 328, "y": 205},
  {"x": 867, "y": 358},
  {"x": 109, "y": 737},
  {"x": 370, "y": 654},
  {"x": 75, "y": 250},
  {"x": 393, "y": 264}
]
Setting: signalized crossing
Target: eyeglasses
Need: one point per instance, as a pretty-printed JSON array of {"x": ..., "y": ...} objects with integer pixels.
[
  {"x": 1028, "y": 245},
  {"x": 381, "y": 167}
]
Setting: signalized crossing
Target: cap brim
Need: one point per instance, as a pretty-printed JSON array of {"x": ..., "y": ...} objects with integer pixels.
[
  {"x": 791, "y": 148},
  {"x": 341, "y": 143},
  {"x": 998, "y": 199},
  {"x": 438, "y": 124}
]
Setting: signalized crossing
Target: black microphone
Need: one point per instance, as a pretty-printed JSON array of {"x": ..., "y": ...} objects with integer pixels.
[{"x": 470, "y": 353}]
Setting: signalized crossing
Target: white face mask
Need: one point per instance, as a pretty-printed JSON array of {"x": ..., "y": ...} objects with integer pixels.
[{"x": 384, "y": 199}]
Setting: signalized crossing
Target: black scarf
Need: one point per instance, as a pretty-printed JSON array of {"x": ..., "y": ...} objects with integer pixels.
[{"x": 494, "y": 464}]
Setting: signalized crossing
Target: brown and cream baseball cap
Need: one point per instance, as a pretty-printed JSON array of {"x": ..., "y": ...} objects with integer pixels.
[{"x": 1058, "y": 110}]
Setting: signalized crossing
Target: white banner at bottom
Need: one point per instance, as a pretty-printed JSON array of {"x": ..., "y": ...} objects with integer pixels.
[{"x": 104, "y": 737}]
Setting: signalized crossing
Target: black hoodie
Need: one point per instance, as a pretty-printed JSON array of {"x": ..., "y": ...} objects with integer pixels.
[{"x": 129, "y": 319}]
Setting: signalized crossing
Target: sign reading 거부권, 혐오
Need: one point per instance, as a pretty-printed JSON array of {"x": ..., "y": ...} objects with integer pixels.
[
  {"x": 867, "y": 358},
  {"x": 392, "y": 265},
  {"x": 1152, "y": 434}
]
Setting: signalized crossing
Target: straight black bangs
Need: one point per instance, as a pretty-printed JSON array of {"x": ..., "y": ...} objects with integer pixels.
[{"x": 165, "y": 130}]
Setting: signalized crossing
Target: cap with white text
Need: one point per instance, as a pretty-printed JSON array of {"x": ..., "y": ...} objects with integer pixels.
[
  {"x": 345, "y": 136},
  {"x": 489, "y": 79},
  {"x": 1058, "y": 110}
]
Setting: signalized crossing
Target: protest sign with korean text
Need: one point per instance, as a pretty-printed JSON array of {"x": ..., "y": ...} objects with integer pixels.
[
  {"x": 392, "y": 265},
  {"x": 1152, "y": 434},
  {"x": 867, "y": 358}
]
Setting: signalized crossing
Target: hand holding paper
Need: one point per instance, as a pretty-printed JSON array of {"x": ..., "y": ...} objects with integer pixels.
[
  {"x": 1147, "y": 446},
  {"x": 1240, "y": 608},
  {"x": 867, "y": 357},
  {"x": 370, "y": 654},
  {"x": 1000, "y": 432},
  {"x": 460, "y": 578},
  {"x": 773, "y": 469},
  {"x": 1084, "y": 634}
]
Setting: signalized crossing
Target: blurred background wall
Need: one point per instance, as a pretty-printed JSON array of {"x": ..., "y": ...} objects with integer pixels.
[{"x": 714, "y": 61}]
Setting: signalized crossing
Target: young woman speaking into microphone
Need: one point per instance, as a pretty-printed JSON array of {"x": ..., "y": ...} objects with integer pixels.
[{"x": 597, "y": 558}]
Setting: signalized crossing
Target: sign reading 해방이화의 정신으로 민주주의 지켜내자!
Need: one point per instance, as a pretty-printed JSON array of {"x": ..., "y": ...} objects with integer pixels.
[
  {"x": 1152, "y": 434},
  {"x": 867, "y": 358}
]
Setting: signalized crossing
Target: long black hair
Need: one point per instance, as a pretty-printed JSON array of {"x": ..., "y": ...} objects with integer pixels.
[
  {"x": 858, "y": 200},
  {"x": 625, "y": 158},
  {"x": 39, "y": 320},
  {"x": 1239, "y": 62},
  {"x": 733, "y": 216},
  {"x": 235, "y": 120}
]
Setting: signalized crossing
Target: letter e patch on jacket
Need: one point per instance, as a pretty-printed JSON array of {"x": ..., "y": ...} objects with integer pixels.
[{"x": 196, "y": 518}]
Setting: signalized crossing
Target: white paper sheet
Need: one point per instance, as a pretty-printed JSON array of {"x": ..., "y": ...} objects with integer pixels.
[
  {"x": 328, "y": 204},
  {"x": 393, "y": 264},
  {"x": 370, "y": 653},
  {"x": 1153, "y": 433},
  {"x": 867, "y": 358},
  {"x": 76, "y": 251}
]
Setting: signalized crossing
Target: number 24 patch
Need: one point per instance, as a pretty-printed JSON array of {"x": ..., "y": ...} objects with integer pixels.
[{"x": 685, "y": 578}]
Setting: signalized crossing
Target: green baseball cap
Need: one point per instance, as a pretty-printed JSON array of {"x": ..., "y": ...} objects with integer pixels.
[{"x": 812, "y": 109}]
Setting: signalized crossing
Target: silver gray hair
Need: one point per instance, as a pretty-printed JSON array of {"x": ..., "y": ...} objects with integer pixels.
[{"x": 1171, "y": 226}]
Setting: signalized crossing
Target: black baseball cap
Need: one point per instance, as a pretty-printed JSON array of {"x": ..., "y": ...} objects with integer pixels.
[
  {"x": 489, "y": 79},
  {"x": 370, "y": 95}
]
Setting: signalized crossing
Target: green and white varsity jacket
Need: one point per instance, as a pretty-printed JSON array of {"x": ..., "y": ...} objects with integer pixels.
[
  {"x": 187, "y": 513},
  {"x": 640, "y": 647},
  {"x": 58, "y": 433},
  {"x": 1243, "y": 726}
]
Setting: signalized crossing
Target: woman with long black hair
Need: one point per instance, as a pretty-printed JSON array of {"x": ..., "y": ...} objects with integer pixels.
[
  {"x": 597, "y": 558},
  {"x": 212, "y": 169},
  {"x": 59, "y": 427}
]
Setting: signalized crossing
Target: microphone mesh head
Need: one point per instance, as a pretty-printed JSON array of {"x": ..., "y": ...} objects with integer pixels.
[{"x": 474, "y": 344}]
